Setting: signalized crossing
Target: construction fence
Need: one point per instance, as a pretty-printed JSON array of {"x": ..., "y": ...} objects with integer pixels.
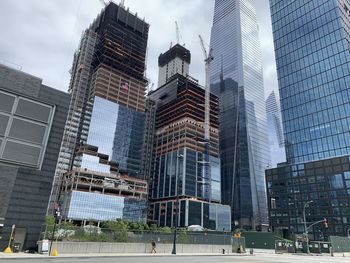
[
  {"x": 340, "y": 244},
  {"x": 96, "y": 234}
]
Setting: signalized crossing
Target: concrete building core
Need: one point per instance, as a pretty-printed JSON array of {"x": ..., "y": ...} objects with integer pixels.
[{"x": 175, "y": 61}]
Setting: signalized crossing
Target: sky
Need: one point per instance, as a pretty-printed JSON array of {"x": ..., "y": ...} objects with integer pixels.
[{"x": 40, "y": 37}]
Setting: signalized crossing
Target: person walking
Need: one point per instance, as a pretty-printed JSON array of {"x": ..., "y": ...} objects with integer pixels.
[{"x": 153, "y": 243}]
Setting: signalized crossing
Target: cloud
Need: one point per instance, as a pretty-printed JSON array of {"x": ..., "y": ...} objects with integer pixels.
[{"x": 42, "y": 36}]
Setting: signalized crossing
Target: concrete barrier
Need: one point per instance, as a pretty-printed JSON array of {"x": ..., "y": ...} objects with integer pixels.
[{"x": 135, "y": 248}]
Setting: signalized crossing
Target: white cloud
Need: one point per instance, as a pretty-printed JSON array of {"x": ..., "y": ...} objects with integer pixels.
[{"x": 43, "y": 35}]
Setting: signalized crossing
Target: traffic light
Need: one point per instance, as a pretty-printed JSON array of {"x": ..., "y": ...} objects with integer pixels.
[
  {"x": 325, "y": 223},
  {"x": 57, "y": 211}
]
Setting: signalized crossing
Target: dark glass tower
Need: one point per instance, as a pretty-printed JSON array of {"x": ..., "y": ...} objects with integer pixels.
[
  {"x": 237, "y": 79},
  {"x": 178, "y": 161},
  {"x": 312, "y": 45},
  {"x": 104, "y": 132}
]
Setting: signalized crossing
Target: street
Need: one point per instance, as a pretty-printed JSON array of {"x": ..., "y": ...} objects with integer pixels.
[{"x": 258, "y": 258}]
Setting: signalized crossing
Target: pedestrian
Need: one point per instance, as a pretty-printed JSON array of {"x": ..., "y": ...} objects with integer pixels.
[{"x": 153, "y": 243}]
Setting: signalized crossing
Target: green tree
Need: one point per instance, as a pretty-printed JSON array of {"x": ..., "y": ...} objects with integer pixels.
[
  {"x": 119, "y": 229},
  {"x": 166, "y": 230},
  {"x": 182, "y": 237}
]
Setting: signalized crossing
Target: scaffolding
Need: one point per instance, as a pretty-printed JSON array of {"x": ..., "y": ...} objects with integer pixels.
[
  {"x": 105, "y": 183},
  {"x": 79, "y": 89}
]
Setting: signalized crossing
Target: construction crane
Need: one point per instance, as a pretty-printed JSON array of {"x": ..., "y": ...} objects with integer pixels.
[
  {"x": 208, "y": 58},
  {"x": 106, "y": 3},
  {"x": 178, "y": 34}
]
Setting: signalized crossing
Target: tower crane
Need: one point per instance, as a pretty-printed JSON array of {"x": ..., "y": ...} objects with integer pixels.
[
  {"x": 106, "y": 2},
  {"x": 208, "y": 58},
  {"x": 178, "y": 34},
  {"x": 103, "y": 2}
]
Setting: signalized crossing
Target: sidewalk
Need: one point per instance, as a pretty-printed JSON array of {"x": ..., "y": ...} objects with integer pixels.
[
  {"x": 28, "y": 255},
  {"x": 95, "y": 255}
]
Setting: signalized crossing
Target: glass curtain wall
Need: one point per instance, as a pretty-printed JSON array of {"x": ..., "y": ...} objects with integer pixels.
[
  {"x": 118, "y": 133},
  {"x": 189, "y": 167},
  {"x": 237, "y": 57},
  {"x": 313, "y": 64}
]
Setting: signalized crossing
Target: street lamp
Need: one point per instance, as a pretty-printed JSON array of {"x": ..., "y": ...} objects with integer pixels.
[
  {"x": 177, "y": 203},
  {"x": 305, "y": 227}
]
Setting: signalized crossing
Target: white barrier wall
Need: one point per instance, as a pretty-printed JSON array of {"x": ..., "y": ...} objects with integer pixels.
[{"x": 136, "y": 248}]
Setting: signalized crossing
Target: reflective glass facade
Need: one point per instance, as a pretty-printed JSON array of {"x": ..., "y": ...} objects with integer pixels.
[
  {"x": 274, "y": 124},
  {"x": 313, "y": 65},
  {"x": 192, "y": 212},
  {"x": 105, "y": 124},
  {"x": 326, "y": 183},
  {"x": 118, "y": 133},
  {"x": 244, "y": 151},
  {"x": 100, "y": 207},
  {"x": 189, "y": 167}
]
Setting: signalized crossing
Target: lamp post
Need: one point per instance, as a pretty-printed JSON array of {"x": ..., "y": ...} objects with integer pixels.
[
  {"x": 177, "y": 204},
  {"x": 305, "y": 227}
]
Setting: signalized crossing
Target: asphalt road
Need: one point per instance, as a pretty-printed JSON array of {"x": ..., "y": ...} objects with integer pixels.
[{"x": 185, "y": 259}]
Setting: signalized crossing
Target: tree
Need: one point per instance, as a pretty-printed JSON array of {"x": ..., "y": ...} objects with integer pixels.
[{"x": 119, "y": 229}]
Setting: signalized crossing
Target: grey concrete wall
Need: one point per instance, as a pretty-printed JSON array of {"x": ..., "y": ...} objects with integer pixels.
[
  {"x": 24, "y": 191},
  {"x": 19, "y": 81},
  {"x": 8, "y": 176},
  {"x": 136, "y": 248}
]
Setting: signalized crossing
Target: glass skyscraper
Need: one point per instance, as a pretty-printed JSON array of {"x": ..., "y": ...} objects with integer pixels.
[
  {"x": 178, "y": 164},
  {"x": 102, "y": 145},
  {"x": 312, "y": 45},
  {"x": 274, "y": 124},
  {"x": 312, "y": 41},
  {"x": 237, "y": 79}
]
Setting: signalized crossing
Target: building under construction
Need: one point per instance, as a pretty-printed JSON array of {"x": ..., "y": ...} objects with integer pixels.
[
  {"x": 178, "y": 166},
  {"x": 104, "y": 130}
]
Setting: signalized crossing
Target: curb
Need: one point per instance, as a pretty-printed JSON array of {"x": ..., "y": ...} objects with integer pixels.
[{"x": 116, "y": 255}]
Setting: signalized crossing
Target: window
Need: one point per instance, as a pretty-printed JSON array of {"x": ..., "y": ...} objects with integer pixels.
[
  {"x": 347, "y": 10},
  {"x": 22, "y": 153},
  {"x": 6, "y": 102},
  {"x": 24, "y": 129},
  {"x": 27, "y": 131},
  {"x": 336, "y": 181},
  {"x": 33, "y": 110},
  {"x": 3, "y": 123},
  {"x": 347, "y": 175},
  {"x": 273, "y": 203}
]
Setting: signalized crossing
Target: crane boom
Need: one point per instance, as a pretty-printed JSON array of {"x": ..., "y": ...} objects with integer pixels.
[
  {"x": 103, "y": 2},
  {"x": 177, "y": 33},
  {"x": 208, "y": 58},
  {"x": 106, "y": 2}
]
